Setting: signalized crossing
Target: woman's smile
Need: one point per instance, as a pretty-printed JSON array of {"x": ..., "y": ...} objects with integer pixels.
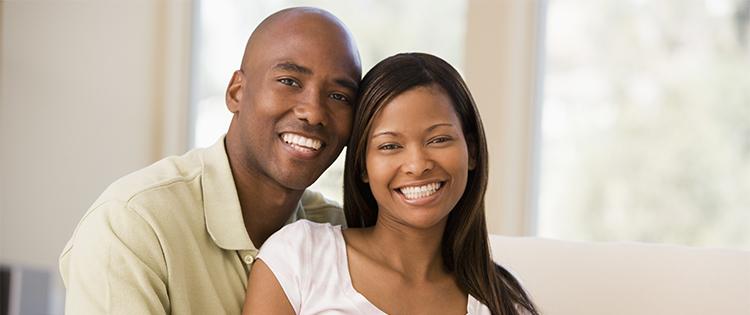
[
  {"x": 421, "y": 191},
  {"x": 417, "y": 158}
]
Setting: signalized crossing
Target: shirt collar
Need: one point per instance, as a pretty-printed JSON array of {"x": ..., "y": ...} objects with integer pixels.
[{"x": 221, "y": 205}]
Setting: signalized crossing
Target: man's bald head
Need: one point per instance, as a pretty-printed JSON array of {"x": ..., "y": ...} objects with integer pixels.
[
  {"x": 298, "y": 82},
  {"x": 300, "y": 21}
]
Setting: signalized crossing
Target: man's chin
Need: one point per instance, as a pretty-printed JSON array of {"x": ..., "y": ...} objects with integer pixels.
[
  {"x": 298, "y": 175},
  {"x": 298, "y": 182}
]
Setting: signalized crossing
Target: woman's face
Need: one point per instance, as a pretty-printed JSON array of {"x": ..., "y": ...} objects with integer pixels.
[{"x": 417, "y": 159}]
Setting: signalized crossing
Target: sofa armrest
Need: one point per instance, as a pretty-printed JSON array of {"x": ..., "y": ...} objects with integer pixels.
[{"x": 566, "y": 277}]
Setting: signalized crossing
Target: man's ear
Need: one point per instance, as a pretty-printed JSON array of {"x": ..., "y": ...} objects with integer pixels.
[{"x": 234, "y": 91}]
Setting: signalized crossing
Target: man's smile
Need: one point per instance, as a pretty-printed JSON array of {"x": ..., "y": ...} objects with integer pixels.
[
  {"x": 302, "y": 147},
  {"x": 302, "y": 142}
]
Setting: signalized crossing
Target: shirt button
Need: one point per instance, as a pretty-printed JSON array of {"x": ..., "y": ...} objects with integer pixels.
[{"x": 249, "y": 259}]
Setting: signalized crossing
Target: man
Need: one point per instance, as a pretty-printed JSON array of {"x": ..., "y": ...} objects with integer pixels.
[{"x": 179, "y": 236}]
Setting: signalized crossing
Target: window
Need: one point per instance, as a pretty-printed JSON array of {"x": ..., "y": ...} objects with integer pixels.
[
  {"x": 381, "y": 29},
  {"x": 646, "y": 122}
]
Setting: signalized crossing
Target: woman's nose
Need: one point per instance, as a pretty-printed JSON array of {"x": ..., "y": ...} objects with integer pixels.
[{"x": 418, "y": 162}]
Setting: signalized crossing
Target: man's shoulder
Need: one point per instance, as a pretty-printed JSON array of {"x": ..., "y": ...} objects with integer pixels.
[
  {"x": 165, "y": 173},
  {"x": 151, "y": 194},
  {"x": 135, "y": 206},
  {"x": 320, "y": 209}
]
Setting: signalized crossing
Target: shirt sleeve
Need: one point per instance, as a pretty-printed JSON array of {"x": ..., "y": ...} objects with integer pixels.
[
  {"x": 114, "y": 265},
  {"x": 288, "y": 254}
]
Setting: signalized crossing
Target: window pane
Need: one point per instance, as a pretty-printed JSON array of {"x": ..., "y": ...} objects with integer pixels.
[
  {"x": 381, "y": 28},
  {"x": 646, "y": 122}
]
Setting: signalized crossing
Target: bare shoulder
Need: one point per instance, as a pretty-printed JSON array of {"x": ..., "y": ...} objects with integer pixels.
[
  {"x": 355, "y": 240},
  {"x": 264, "y": 293}
]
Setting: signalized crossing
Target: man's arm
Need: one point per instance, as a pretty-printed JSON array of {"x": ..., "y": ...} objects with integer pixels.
[
  {"x": 264, "y": 293},
  {"x": 114, "y": 264}
]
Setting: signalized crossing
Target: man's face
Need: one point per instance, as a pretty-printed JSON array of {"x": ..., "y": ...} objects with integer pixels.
[{"x": 294, "y": 108}]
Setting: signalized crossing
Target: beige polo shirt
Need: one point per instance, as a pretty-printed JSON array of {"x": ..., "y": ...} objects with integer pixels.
[{"x": 169, "y": 239}]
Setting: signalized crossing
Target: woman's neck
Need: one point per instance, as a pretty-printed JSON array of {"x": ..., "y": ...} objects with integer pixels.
[{"x": 414, "y": 253}]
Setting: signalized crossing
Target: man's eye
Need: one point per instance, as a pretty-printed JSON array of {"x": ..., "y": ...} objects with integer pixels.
[
  {"x": 339, "y": 97},
  {"x": 289, "y": 82}
]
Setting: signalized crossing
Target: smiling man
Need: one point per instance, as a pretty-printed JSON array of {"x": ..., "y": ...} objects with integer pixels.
[{"x": 180, "y": 236}]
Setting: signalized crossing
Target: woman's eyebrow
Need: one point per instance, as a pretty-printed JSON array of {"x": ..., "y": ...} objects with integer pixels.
[
  {"x": 385, "y": 133},
  {"x": 445, "y": 124},
  {"x": 396, "y": 134}
]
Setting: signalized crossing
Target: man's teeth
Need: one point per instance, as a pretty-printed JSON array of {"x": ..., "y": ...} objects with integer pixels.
[
  {"x": 301, "y": 141},
  {"x": 416, "y": 192}
]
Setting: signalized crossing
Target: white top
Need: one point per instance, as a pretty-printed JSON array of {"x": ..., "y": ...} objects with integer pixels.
[{"x": 309, "y": 261}]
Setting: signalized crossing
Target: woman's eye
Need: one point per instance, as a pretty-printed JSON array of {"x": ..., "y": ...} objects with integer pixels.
[
  {"x": 289, "y": 82},
  {"x": 440, "y": 140},
  {"x": 339, "y": 97},
  {"x": 388, "y": 146}
]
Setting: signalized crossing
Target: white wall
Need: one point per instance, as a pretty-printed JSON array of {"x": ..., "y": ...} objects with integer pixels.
[
  {"x": 503, "y": 47},
  {"x": 89, "y": 91}
]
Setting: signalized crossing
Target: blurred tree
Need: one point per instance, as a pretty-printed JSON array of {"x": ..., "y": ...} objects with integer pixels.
[{"x": 646, "y": 124}]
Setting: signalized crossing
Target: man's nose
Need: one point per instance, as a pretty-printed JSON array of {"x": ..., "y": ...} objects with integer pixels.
[
  {"x": 311, "y": 108},
  {"x": 418, "y": 162}
]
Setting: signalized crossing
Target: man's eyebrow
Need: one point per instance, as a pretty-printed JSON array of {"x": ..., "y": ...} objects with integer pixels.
[
  {"x": 292, "y": 67},
  {"x": 349, "y": 84}
]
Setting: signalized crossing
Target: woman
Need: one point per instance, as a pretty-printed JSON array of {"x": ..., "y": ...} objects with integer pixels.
[{"x": 414, "y": 184}]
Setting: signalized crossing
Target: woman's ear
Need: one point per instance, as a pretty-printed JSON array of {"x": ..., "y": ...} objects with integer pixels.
[
  {"x": 234, "y": 91},
  {"x": 364, "y": 177}
]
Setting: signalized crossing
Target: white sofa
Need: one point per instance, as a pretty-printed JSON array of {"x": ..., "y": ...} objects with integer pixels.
[{"x": 582, "y": 278}]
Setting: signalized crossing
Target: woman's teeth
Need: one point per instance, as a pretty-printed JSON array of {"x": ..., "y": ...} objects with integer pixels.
[{"x": 417, "y": 192}]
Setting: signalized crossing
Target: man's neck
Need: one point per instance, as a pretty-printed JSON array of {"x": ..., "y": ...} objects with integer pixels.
[
  {"x": 265, "y": 210},
  {"x": 266, "y": 206}
]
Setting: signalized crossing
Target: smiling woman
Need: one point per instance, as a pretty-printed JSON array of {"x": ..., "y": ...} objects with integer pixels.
[
  {"x": 441, "y": 139},
  {"x": 416, "y": 161}
]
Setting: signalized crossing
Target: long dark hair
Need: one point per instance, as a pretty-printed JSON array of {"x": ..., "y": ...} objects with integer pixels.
[{"x": 465, "y": 246}]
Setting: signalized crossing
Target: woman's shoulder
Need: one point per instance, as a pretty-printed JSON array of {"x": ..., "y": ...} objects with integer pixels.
[
  {"x": 307, "y": 227},
  {"x": 302, "y": 233},
  {"x": 475, "y": 307}
]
